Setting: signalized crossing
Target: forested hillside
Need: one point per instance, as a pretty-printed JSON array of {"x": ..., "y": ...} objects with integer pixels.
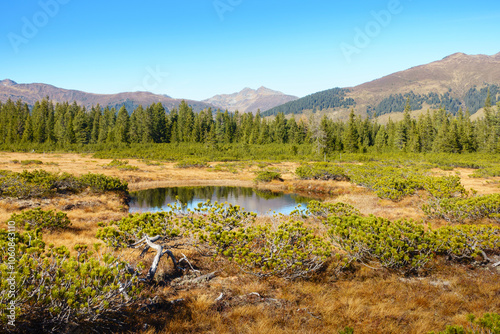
[
  {"x": 63, "y": 125},
  {"x": 331, "y": 98},
  {"x": 473, "y": 101}
]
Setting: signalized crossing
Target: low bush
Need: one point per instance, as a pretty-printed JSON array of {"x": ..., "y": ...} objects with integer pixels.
[
  {"x": 40, "y": 183},
  {"x": 31, "y": 162},
  {"x": 55, "y": 292},
  {"x": 117, "y": 163},
  {"x": 466, "y": 242},
  {"x": 268, "y": 176},
  {"x": 291, "y": 250},
  {"x": 402, "y": 245},
  {"x": 102, "y": 183},
  {"x": 321, "y": 171},
  {"x": 487, "y": 172},
  {"x": 324, "y": 210},
  {"x": 458, "y": 210},
  {"x": 37, "y": 218},
  {"x": 389, "y": 182}
]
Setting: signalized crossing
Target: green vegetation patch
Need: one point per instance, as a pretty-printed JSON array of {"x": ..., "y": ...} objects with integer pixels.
[
  {"x": 268, "y": 176},
  {"x": 40, "y": 183},
  {"x": 45, "y": 220}
]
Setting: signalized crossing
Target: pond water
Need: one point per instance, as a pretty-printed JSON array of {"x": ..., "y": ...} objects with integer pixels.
[{"x": 260, "y": 202}]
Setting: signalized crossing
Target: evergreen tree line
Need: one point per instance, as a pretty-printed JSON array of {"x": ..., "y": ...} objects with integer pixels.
[
  {"x": 331, "y": 98},
  {"x": 65, "y": 124},
  {"x": 473, "y": 101}
]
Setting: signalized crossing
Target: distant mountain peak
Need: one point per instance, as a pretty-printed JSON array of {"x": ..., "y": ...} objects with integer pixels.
[
  {"x": 8, "y": 82},
  {"x": 456, "y": 55},
  {"x": 250, "y": 100},
  {"x": 265, "y": 90}
]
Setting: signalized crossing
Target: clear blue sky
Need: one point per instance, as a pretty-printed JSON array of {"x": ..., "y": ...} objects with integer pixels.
[{"x": 211, "y": 47}]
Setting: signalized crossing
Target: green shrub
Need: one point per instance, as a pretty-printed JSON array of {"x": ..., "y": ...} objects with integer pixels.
[
  {"x": 324, "y": 210},
  {"x": 37, "y": 218},
  {"x": 121, "y": 165},
  {"x": 458, "y": 210},
  {"x": 290, "y": 251},
  {"x": 444, "y": 187},
  {"x": 102, "y": 183},
  {"x": 117, "y": 163},
  {"x": 40, "y": 183},
  {"x": 31, "y": 162},
  {"x": 402, "y": 245},
  {"x": 465, "y": 242},
  {"x": 493, "y": 171},
  {"x": 27, "y": 184},
  {"x": 128, "y": 167},
  {"x": 268, "y": 176},
  {"x": 56, "y": 292},
  {"x": 321, "y": 171}
]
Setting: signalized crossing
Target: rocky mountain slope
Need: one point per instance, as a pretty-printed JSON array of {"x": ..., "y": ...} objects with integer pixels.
[{"x": 250, "y": 100}]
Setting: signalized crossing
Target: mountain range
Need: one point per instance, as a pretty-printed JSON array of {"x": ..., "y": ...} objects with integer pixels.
[
  {"x": 457, "y": 81},
  {"x": 248, "y": 100}
]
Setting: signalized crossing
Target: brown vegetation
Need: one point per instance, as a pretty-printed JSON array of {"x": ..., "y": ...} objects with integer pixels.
[{"x": 370, "y": 301}]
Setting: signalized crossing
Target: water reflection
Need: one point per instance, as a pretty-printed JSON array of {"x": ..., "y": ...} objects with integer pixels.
[{"x": 258, "y": 201}]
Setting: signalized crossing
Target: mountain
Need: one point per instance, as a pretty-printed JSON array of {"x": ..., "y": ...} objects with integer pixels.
[
  {"x": 30, "y": 93},
  {"x": 457, "y": 81},
  {"x": 250, "y": 100}
]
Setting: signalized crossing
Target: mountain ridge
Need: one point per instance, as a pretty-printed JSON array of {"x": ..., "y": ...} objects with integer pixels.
[
  {"x": 250, "y": 100},
  {"x": 30, "y": 93},
  {"x": 246, "y": 100},
  {"x": 457, "y": 80}
]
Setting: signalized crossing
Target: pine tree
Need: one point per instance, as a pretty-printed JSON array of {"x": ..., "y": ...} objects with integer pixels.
[
  {"x": 159, "y": 123},
  {"x": 280, "y": 128},
  {"x": 81, "y": 127},
  {"x": 95, "y": 118},
  {"x": 351, "y": 134},
  {"x": 381, "y": 140},
  {"x": 121, "y": 127}
]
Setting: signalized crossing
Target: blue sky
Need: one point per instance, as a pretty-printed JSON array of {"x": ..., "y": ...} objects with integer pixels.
[{"x": 198, "y": 48}]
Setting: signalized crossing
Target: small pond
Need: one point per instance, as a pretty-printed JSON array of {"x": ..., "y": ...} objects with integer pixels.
[{"x": 258, "y": 201}]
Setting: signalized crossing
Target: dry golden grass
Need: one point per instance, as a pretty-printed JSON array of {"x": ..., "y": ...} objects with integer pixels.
[
  {"x": 482, "y": 186},
  {"x": 367, "y": 300}
]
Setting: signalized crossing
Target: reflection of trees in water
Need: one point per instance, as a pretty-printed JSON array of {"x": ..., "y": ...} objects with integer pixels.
[
  {"x": 160, "y": 196},
  {"x": 300, "y": 199},
  {"x": 267, "y": 194}
]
